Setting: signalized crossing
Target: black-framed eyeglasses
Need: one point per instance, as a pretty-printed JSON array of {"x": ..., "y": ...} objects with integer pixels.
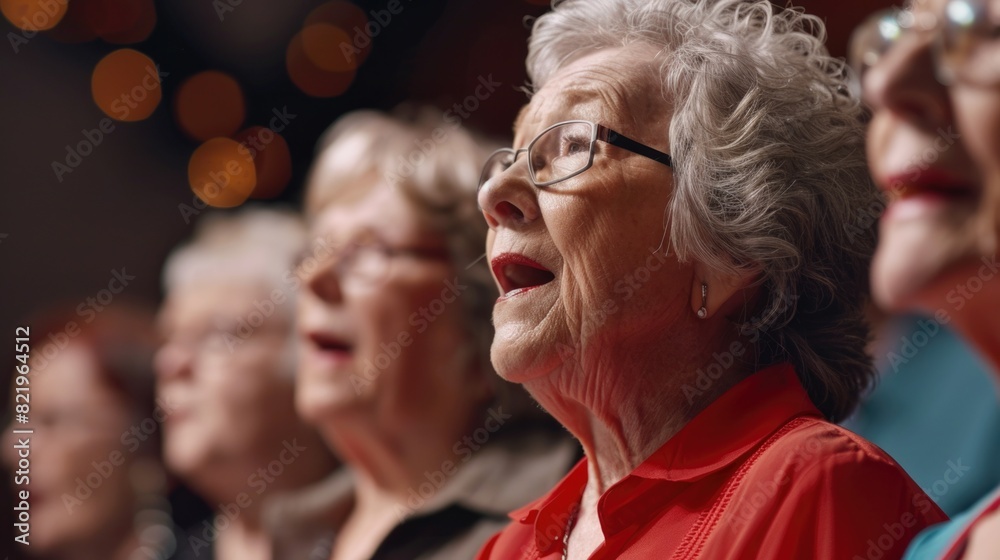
[
  {"x": 565, "y": 150},
  {"x": 961, "y": 36}
]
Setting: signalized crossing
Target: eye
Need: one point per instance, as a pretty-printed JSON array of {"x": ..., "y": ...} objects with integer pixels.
[
  {"x": 574, "y": 145},
  {"x": 538, "y": 161}
]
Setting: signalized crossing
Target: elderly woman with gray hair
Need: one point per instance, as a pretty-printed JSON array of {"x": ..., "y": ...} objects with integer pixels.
[
  {"x": 394, "y": 317},
  {"x": 227, "y": 370},
  {"x": 683, "y": 282}
]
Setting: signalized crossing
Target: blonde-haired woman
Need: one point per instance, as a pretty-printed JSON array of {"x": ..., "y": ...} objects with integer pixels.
[{"x": 395, "y": 373}]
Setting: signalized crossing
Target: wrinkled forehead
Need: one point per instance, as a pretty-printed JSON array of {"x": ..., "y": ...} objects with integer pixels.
[{"x": 617, "y": 87}]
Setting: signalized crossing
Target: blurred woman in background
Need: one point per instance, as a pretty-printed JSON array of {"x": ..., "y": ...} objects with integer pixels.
[
  {"x": 932, "y": 79},
  {"x": 227, "y": 367},
  {"x": 97, "y": 488},
  {"x": 395, "y": 373}
]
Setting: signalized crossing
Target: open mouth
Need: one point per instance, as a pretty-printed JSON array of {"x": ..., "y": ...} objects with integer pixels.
[
  {"x": 517, "y": 274},
  {"x": 933, "y": 183},
  {"x": 330, "y": 344}
]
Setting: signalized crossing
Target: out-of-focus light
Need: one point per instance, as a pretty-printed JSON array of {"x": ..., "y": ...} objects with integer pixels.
[
  {"x": 272, "y": 160},
  {"x": 209, "y": 104},
  {"x": 33, "y": 15},
  {"x": 126, "y": 85},
  {"x": 221, "y": 173},
  {"x": 352, "y": 21},
  {"x": 309, "y": 77},
  {"x": 329, "y": 47},
  {"x": 961, "y": 13}
]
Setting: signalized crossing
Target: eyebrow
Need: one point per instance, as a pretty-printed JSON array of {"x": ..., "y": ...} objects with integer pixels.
[{"x": 576, "y": 95}]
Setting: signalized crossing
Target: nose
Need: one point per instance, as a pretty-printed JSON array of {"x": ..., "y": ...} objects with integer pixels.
[
  {"x": 509, "y": 199},
  {"x": 904, "y": 82},
  {"x": 324, "y": 281},
  {"x": 173, "y": 360}
]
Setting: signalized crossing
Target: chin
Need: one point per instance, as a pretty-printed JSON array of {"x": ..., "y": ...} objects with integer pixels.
[
  {"x": 516, "y": 361},
  {"x": 319, "y": 400},
  {"x": 910, "y": 259},
  {"x": 183, "y": 453},
  {"x": 895, "y": 286}
]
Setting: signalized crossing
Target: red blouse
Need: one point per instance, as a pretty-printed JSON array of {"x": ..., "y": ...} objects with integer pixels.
[{"x": 759, "y": 474}]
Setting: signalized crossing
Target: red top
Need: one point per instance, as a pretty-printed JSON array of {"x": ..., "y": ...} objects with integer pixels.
[
  {"x": 961, "y": 543},
  {"x": 758, "y": 474}
]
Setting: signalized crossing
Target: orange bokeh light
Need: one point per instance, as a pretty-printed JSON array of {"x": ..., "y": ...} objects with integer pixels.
[
  {"x": 309, "y": 77},
  {"x": 329, "y": 47},
  {"x": 272, "y": 160},
  {"x": 126, "y": 85},
  {"x": 34, "y": 15},
  {"x": 221, "y": 173},
  {"x": 209, "y": 104},
  {"x": 352, "y": 21}
]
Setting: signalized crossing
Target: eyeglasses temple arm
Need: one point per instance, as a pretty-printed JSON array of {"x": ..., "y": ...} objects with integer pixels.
[{"x": 617, "y": 139}]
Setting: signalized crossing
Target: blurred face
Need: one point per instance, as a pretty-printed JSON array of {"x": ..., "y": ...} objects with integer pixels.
[
  {"x": 936, "y": 150},
  {"x": 78, "y": 421},
  {"x": 228, "y": 383},
  {"x": 580, "y": 264},
  {"x": 380, "y": 318}
]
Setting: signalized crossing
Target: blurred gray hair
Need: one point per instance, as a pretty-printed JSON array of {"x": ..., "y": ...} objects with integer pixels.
[
  {"x": 770, "y": 174},
  {"x": 434, "y": 163},
  {"x": 253, "y": 247}
]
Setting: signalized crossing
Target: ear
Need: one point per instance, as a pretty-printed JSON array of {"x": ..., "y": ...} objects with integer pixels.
[{"x": 726, "y": 293}]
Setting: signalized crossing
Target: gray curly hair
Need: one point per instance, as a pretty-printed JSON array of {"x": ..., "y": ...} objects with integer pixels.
[{"x": 770, "y": 173}]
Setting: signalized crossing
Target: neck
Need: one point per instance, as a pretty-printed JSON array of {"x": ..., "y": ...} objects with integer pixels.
[
  {"x": 392, "y": 457},
  {"x": 624, "y": 406},
  {"x": 980, "y": 325},
  {"x": 249, "y": 480},
  {"x": 243, "y": 540},
  {"x": 973, "y": 314}
]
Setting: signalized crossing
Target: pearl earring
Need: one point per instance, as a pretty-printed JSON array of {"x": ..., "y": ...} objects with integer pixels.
[{"x": 703, "y": 312}]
